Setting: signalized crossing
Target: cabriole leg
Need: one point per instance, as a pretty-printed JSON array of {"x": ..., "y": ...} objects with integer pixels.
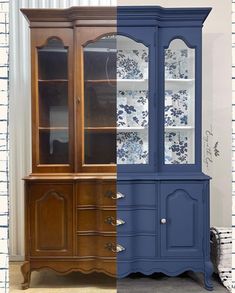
[
  {"x": 207, "y": 276},
  {"x": 25, "y": 269}
]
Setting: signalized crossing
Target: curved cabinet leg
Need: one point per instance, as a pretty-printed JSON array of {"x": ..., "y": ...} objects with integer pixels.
[
  {"x": 207, "y": 276},
  {"x": 25, "y": 269}
]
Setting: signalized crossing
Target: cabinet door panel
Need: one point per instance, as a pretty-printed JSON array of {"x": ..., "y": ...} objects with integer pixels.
[
  {"x": 182, "y": 208},
  {"x": 95, "y": 85},
  {"x": 50, "y": 218},
  {"x": 136, "y": 85},
  {"x": 52, "y": 100}
]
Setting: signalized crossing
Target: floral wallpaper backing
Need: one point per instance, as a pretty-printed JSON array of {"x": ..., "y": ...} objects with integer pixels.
[
  {"x": 178, "y": 100},
  {"x": 132, "y": 107}
]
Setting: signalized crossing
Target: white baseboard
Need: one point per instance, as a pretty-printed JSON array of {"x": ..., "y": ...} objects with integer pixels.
[{"x": 16, "y": 258}]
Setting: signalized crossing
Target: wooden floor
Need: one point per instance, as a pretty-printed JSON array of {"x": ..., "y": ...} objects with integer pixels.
[{"x": 49, "y": 282}]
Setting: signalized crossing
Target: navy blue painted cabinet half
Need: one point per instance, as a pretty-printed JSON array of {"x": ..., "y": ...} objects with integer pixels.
[{"x": 162, "y": 194}]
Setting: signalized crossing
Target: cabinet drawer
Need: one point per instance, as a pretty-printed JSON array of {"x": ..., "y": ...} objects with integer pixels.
[
  {"x": 93, "y": 193},
  {"x": 96, "y": 220},
  {"x": 136, "y": 247},
  {"x": 97, "y": 246},
  {"x": 136, "y": 221},
  {"x": 136, "y": 194}
]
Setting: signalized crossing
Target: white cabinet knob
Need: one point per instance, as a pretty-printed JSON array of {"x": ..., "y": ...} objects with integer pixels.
[{"x": 163, "y": 221}]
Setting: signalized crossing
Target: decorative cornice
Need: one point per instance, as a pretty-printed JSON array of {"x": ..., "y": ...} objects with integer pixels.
[
  {"x": 71, "y": 14},
  {"x": 159, "y": 13},
  {"x": 154, "y": 14}
]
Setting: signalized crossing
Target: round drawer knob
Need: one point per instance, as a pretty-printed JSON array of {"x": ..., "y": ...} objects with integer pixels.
[{"x": 163, "y": 221}]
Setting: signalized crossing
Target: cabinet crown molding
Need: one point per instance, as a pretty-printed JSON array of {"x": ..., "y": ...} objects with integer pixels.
[{"x": 155, "y": 14}]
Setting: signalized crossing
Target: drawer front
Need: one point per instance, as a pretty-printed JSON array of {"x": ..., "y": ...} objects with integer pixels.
[
  {"x": 90, "y": 220},
  {"x": 136, "y": 247},
  {"x": 136, "y": 221},
  {"x": 96, "y": 246},
  {"x": 136, "y": 194},
  {"x": 93, "y": 193}
]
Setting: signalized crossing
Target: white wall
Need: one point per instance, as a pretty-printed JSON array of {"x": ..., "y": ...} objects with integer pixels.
[
  {"x": 216, "y": 103},
  {"x": 217, "y": 99}
]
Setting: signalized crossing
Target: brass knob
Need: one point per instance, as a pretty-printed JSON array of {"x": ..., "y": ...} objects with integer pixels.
[
  {"x": 120, "y": 248},
  {"x": 114, "y": 247},
  {"x": 111, "y": 194},
  {"x": 120, "y": 195},
  {"x": 113, "y": 222},
  {"x": 110, "y": 221},
  {"x": 120, "y": 222}
]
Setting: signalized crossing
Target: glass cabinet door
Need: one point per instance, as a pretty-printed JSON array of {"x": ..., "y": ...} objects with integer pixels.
[
  {"x": 115, "y": 101},
  {"x": 100, "y": 101},
  {"x": 179, "y": 109},
  {"x": 53, "y": 103}
]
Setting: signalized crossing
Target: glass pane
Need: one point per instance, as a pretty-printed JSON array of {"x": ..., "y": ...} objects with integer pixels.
[
  {"x": 179, "y": 103},
  {"x": 53, "y": 146},
  {"x": 53, "y": 102},
  {"x": 132, "y": 102},
  {"x": 100, "y": 101},
  {"x": 52, "y": 60},
  {"x": 100, "y": 147}
]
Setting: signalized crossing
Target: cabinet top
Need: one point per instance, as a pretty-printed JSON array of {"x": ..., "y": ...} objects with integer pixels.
[{"x": 156, "y": 15}]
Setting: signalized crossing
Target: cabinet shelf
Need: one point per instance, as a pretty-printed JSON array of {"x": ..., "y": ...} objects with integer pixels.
[
  {"x": 124, "y": 81},
  {"x": 179, "y": 80},
  {"x": 179, "y": 127},
  {"x": 120, "y": 129},
  {"x": 131, "y": 129},
  {"x": 100, "y": 81},
  {"x": 100, "y": 50},
  {"x": 100, "y": 129},
  {"x": 52, "y": 80},
  {"x": 54, "y": 50},
  {"x": 53, "y": 128}
]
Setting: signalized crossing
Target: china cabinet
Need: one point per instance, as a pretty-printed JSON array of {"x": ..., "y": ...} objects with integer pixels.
[{"x": 116, "y": 183}]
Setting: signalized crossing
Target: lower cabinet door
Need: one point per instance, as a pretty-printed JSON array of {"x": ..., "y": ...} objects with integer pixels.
[
  {"x": 181, "y": 219},
  {"x": 50, "y": 219}
]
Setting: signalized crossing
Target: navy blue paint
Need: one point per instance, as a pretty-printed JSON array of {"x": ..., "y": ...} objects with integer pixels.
[
  {"x": 182, "y": 207},
  {"x": 144, "y": 35},
  {"x": 192, "y": 37},
  {"x": 179, "y": 193}
]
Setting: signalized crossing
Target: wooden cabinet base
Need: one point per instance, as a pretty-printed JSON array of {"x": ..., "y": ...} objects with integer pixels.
[{"x": 63, "y": 267}]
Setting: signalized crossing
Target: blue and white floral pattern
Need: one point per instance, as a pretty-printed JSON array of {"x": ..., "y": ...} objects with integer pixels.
[
  {"x": 132, "y": 148},
  {"x": 176, "y": 64},
  {"x": 176, "y": 147},
  {"x": 132, "y": 64},
  {"x": 176, "y": 108},
  {"x": 132, "y": 108}
]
